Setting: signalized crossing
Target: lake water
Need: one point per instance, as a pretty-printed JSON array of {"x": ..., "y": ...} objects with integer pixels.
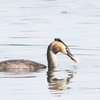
[{"x": 26, "y": 29}]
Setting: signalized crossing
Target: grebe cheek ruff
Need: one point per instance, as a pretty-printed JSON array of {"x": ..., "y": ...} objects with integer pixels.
[{"x": 55, "y": 47}]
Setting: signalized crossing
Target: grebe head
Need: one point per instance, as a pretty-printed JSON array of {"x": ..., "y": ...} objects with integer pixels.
[{"x": 59, "y": 46}]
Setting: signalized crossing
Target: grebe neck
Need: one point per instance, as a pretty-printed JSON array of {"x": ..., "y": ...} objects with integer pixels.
[{"x": 51, "y": 57}]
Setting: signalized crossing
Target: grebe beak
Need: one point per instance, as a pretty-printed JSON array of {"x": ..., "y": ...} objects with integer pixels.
[{"x": 72, "y": 57}]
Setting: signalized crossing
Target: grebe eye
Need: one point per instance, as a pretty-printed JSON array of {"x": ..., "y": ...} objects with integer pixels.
[{"x": 66, "y": 48}]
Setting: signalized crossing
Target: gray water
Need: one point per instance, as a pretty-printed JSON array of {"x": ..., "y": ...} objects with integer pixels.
[{"x": 27, "y": 27}]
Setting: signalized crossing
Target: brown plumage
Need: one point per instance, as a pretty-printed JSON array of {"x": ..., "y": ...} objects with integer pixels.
[{"x": 21, "y": 63}]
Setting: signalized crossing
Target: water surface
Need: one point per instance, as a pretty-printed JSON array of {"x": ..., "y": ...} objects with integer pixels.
[{"x": 26, "y": 29}]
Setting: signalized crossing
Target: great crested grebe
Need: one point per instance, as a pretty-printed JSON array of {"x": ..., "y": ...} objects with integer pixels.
[{"x": 55, "y": 47}]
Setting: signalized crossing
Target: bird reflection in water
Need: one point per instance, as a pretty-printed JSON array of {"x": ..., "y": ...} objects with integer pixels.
[
  {"x": 19, "y": 73},
  {"x": 59, "y": 84},
  {"x": 20, "y": 70}
]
